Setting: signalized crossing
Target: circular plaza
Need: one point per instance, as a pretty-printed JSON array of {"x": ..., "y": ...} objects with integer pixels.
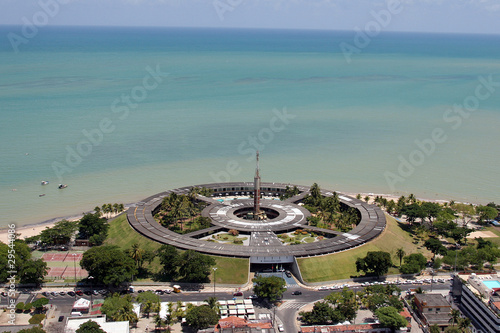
[{"x": 226, "y": 209}]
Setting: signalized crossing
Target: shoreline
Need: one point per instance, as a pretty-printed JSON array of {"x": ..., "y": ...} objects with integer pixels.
[{"x": 33, "y": 229}]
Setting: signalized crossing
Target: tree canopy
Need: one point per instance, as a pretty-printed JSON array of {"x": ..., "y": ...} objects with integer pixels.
[
  {"x": 375, "y": 263},
  {"x": 169, "y": 259},
  {"x": 33, "y": 271},
  {"x": 321, "y": 314},
  {"x": 270, "y": 287},
  {"x": 40, "y": 303},
  {"x": 91, "y": 225},
  {"x": 414, "y": 263},
  {"x": 390, "y": 317},
  {"x": 200, "y": 317},
  {"x": 435, "y": 246},
  {"x": 195, "y": 266},
  {"x": 118, "y": 308},
  {"x": 29, "y": 271},
  {"x": 90, "y": 327},
  {"x": 108, "y": 264},
  {"x": 486, "y": 213},
  {"x": 60, "y": 233}
]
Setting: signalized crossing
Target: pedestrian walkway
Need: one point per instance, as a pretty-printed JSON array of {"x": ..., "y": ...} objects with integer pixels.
[{"x": 292, "y": 305}]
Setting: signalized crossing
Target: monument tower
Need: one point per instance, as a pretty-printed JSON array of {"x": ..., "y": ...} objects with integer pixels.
[{"x": 256, "y": 192}]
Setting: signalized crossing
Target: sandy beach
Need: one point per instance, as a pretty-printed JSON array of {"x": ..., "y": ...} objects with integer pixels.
[{"x": 27, "y": 230}]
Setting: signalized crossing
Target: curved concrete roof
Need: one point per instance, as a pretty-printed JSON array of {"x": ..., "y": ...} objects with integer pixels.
[{"x": 372, "y": 223}]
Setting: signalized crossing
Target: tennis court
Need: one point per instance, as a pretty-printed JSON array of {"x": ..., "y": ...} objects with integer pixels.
[
  {"x": 67, "y": 272},
  {"x": 62, "y": 256}
]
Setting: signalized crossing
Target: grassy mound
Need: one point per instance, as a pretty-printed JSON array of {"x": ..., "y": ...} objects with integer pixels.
[
  {"x": 229, "y": 270},
  {"x": 342, "y": 265}
]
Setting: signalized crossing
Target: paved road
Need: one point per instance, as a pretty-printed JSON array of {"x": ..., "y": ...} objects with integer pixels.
[{"x": 285, "y": 314}]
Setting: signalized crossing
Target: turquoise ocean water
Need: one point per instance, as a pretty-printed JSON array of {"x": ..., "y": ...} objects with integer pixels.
[{"x": 349, "y": 125}]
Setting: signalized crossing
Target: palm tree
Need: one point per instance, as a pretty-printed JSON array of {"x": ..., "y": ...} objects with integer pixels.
[
  {"x": 213, "y": 303},
  {"x": 454, "y": 316},
  {"x": 115, "y": 208},
  {"x": 147, "y": 307},
  {"x": 412, "y": 198},
  {"x": 121, "y": 208},
  {"x": 158, "y": 321},
  {"x": 400, "y": 253},
  {"x": 170, "y": 319},
  {"x": 97, "y": 210},
  {"x": 464, "y": 323},
  {"x": 435, "y": 329},
  {"x": 136, "y": 253},
  {"x": 125, "y": 314}
]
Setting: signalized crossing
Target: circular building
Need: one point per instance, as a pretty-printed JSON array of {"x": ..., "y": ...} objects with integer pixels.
[{"x": 229, "y": 208}]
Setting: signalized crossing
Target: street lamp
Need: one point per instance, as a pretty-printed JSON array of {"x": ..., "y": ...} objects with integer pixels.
[
  {"x": 215, "y": 269},
  {"x": 91, "y": 278}
]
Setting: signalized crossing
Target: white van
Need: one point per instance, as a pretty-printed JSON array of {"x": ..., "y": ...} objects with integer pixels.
[{"x": 76, "y": 314}]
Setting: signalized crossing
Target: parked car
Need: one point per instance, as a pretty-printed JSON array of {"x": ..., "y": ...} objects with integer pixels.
[
  {"x": 71, "y": 293},
  {"x": 238, "y": 293},
  {"x": 288, "y": 274},
  {"x": 62, "y": 293},
  {"x": 323, "y": 288},
  {"x": 159, "y": 292},
  {"x": 280, "y": 328},
  {"x": 252, "y": 297},
  {"x": 79, "y": 292},
  {"x": 87, "y": 292},
  {"x": 167, "y": 291},
  {"x": 297, "y": 292},
  {"x": 45, "y": 293},
  {"x": 61, "y": 318},
  {"x": 53, "y": 293}
]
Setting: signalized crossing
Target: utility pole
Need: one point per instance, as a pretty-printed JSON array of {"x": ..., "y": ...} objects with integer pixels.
[
  {"x": 215, "y": 269},
  {"x": 74, "y": 267},
  {"x": 91, "y": 278}
]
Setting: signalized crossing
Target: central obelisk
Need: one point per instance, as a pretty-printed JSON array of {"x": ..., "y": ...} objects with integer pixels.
[{"x": 256, "y": 192}]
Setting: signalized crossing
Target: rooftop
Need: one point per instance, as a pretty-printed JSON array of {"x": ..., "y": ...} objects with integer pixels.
[{"x": 432, "y": 300}]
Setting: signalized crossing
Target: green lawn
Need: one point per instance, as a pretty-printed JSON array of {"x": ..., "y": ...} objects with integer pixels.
[
  {"x": 229, "y": 270},
  {"x": 342, "y": 265},
  {"x": 230, "y": 238},
  {"x": 121, "y": 234},
  {"x": 496, "y": 231}
]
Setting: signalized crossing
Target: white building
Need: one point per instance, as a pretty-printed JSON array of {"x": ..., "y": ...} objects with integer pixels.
[{"x": 73, "y": 323}]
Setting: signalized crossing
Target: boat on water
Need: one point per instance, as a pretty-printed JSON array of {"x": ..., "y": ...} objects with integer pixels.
[
  {"x": 41, "y": 195},
  {"x": 45, "y": 182},
  {"x": 61, "y": 186}
]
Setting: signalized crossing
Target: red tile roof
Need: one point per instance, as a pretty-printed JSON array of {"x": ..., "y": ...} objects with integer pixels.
[{"x": 233, "y": 321}]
